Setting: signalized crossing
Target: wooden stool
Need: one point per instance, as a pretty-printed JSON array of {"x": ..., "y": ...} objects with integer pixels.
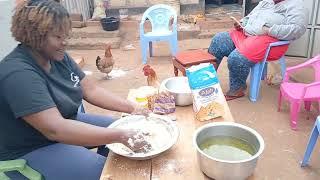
[{"x": 186, "y": 59}]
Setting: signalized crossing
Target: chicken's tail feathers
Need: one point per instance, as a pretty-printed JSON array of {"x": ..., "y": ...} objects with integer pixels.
[{"x": 97, "y": 60}]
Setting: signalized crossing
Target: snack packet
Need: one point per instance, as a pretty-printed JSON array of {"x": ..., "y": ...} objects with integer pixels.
[
  {"x": 162, "y": 103},
  {"x": 207, "y": 94}
]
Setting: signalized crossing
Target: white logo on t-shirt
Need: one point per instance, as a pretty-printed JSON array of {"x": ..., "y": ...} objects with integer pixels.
[{"x": 75, "y": 79}]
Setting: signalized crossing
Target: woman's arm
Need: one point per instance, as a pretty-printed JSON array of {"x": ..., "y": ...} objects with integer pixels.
[
  {"x": 53, "y": 126},
  {"x": 295, "y": 27},
  {"x": 102, "y": 98}
]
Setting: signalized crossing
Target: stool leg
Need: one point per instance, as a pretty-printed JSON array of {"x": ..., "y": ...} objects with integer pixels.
[
  {"x": 175, "y": 70},
  {"x": 184, "y": 72}
]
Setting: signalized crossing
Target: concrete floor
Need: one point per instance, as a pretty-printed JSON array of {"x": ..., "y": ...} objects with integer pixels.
[{"x": 284, "y": 147}]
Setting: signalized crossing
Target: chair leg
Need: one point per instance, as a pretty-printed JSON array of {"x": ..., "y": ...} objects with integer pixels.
[
  {"x": 282, "y": 62},
  {"x": 174, "y": 46},
  {"x": 144, "y": 49},
  {"x": 150, "y": 49},
  {"x": 307, "y": 105},
  {"x": 3, "y": 176},
  {"x": 265, "y": 71},
  {"x": 294, "y": 111},
  {"x": 279, "y": 100},
  {"x": 31, "y": 173},
  {"x": 254, "y": 82},
  {"x": 312, "y": 142}
]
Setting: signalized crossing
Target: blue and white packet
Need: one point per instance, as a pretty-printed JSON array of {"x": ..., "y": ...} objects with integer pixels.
[{"x": 208, "y": 98}]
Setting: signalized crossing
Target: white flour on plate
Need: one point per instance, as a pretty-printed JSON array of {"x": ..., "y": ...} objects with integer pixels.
[{"x": 158, "y": 135}]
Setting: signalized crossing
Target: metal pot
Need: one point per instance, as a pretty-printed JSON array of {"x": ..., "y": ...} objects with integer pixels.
[
  {"x": 223, "y": 169},
  {"x": 179, "y": 88}
]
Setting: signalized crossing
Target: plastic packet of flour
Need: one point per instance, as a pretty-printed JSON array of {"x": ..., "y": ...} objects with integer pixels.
[{"x": 207, "y": 94}]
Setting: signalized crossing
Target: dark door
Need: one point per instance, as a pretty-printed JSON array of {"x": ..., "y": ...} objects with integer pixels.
[{"x": 249, "y": 5}]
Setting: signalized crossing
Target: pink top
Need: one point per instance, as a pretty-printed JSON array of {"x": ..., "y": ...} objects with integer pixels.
[{"x": 255, "y": 47}]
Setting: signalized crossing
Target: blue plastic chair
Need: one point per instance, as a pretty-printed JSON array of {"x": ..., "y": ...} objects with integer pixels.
[
  {"x": 160, "y": 16},
  {"x": 259, "y": 71},
  {"x": 312, "y": 142}
]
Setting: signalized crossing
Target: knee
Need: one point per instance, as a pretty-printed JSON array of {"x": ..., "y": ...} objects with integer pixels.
[
  {"x": 220, "y": 37},
  {"x": 234, "y": 59},
  {"x": 218, "y": 40}
]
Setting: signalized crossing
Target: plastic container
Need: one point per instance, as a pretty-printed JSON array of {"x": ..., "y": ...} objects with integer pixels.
[{"x": 110, "y": 23}]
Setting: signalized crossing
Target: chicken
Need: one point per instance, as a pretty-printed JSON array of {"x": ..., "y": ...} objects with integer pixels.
[
  {"x": 193, "y": 18},
  {"x": 106, "y": 63},
  {"x": 152, "y": 78}
]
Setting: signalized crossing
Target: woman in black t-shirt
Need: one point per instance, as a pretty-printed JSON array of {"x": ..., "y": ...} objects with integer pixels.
[{"x": 41, "y": 90}]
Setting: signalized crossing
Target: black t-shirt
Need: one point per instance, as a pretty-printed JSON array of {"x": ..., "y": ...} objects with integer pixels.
[{"x": 25, "y": 88}]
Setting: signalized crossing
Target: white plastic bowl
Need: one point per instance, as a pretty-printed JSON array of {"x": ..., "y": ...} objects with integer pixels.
[{"x": 179, "y": 88}]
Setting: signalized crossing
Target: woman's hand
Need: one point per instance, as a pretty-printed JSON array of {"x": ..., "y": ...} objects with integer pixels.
[
  {"x": 237, "y": 26},
  {"x": 140, "y": 110},
  {"x": 135, "y": 140},
  {"x": 265, "y": 29}
]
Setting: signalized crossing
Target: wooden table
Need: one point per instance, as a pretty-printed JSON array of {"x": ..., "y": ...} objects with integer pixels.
[{"x": 178, "y": 163}]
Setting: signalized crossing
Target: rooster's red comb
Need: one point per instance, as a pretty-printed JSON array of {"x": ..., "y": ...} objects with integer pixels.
[{"x": 145, "y": 67}]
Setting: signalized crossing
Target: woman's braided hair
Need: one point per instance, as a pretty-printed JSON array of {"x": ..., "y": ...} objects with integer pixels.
[{"x": 34, "y": 19}]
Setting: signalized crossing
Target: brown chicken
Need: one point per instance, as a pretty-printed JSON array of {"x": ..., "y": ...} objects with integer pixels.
[
  {"x": 106, "y": 63},
  {"x": 152, "y": 78}
]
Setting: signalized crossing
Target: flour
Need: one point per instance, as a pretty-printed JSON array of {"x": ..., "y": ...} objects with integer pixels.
[
  {"x": 155, "y": 131},
  {"x": 171, "y": 166}
]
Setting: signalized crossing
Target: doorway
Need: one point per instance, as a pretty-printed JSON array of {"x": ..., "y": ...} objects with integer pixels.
[
  {"x": 223, "y": 7},
  {"x": 220, "y": 2}
]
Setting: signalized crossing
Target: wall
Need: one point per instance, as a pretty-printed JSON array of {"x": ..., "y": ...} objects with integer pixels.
[
  {"x": 78, "y": 7},
  {"x": 139, "y": 6},
  {"x": 7, "y": 41},
  {"x": 308, "y": 45}
]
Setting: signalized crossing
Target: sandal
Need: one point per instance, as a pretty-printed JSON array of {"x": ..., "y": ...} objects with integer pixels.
[
  {"x": 234, "y": 95},
  {"x": 229, "y": 98}
]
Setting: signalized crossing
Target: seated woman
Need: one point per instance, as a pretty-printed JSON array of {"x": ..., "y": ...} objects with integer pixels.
[
  {"x": 246, "y": 45},
  {"x": 41, "y": 91}
]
